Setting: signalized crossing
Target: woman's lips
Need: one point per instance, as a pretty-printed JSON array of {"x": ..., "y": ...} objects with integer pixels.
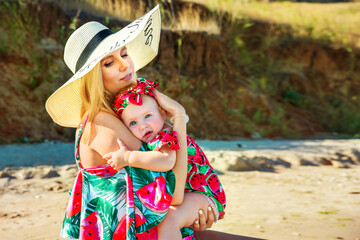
[{"x": 127, "y": 77}]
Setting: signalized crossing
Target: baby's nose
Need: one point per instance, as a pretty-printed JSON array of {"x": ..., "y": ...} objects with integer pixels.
[{"x": 143, "y": 126}]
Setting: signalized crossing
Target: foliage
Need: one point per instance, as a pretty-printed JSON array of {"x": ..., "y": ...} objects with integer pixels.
[
  {"x": 259, "y": 71},
  {"x": 243, "y": 93},
  {"x": 331, "y": 22},
  {"x": 342, "y": 117},
  {"x": 21, "y": 40}
]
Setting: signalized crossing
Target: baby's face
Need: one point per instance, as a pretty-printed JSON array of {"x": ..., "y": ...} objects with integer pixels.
[{"x": 144, "y": 121}]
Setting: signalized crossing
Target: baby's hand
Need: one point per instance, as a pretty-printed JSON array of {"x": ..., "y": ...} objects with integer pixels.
[{"x": 117, "y": 159}]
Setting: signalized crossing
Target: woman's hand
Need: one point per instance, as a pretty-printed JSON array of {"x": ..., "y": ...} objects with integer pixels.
[
  {"x": 117, "y": 159},
  {"x": 172, "y": 107},
  {"x": 202, "y": 223}
]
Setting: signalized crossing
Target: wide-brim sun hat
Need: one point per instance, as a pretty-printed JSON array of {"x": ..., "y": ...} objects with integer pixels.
[{"x": 86, "y": 47}]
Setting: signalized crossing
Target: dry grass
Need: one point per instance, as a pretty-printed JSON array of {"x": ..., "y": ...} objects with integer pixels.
[
  {"x": 188, "y": 20},
  {"x": 191, "y": 21},
  {"x": 335, "y": 22},
  {"x": 232, "y": 6},
  {"x": 114, "y": 9}
]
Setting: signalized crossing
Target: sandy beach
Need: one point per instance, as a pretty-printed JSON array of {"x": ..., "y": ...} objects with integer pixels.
[{"x": 304, "y": 189}]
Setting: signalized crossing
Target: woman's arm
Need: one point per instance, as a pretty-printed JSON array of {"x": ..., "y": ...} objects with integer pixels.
[
  {"x": 160, "y": 161},
  {"x": 105, "y": 130},
  {"x": 177, "y": 112}
]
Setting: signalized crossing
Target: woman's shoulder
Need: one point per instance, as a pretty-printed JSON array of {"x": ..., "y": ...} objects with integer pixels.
[
  {"x": 107, "y": 128},
  {"x": 106, "y": 123},
  {"x": 105, "y": 119}
]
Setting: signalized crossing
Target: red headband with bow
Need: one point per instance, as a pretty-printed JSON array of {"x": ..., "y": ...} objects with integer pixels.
[{"x": 133, "y": 95}]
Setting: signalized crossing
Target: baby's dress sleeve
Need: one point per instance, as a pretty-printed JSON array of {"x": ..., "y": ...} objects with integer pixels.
[{"x": 164, "y": 138}]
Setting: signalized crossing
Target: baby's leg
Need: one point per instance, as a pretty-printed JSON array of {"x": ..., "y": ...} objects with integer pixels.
[{"x": 181, "y": 216}]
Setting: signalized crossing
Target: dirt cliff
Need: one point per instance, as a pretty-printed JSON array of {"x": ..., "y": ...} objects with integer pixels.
[{"x": 234, "y": 83}]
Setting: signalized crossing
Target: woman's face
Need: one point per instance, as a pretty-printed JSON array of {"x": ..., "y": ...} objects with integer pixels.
[{"x": 117, "y": 71}]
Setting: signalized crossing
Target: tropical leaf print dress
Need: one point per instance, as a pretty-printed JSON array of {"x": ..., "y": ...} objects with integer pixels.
[
  {"x": 106, "y": 204},
  {"x": 201, "y": 177}
]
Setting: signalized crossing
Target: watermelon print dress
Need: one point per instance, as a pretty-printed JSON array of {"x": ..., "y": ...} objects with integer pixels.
[
  {"x": 201, "y": 177},
  {"x": 108, "y": 204}
]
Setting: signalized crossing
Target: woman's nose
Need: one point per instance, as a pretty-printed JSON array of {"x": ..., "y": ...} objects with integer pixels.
[{"x": 123, "y": 66}]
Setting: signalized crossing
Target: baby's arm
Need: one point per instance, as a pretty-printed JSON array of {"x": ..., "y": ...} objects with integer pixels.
[{"x": 160, "y": 161}]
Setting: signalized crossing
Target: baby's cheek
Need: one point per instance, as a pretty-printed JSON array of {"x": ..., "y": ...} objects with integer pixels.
[{"x": 136, "y": 133}]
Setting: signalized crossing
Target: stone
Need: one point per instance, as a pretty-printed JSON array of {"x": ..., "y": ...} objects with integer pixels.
[
  {"x": 338, "y": 164},
  {"x": 4, "y": 182},
  {"x": 248, "y": 163},
  {"x": 50, "y": 174},
  {"x": 26, "y": 174},
  {"x": 5, "y": 174}
]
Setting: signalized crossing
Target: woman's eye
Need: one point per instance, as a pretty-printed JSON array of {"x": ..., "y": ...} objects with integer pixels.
[
  {"x": 132, "y": 123},
  {"x": 108, "y": 64},
  {"x": 147, "y": 115},
  {"x": 124, "y": 53}
]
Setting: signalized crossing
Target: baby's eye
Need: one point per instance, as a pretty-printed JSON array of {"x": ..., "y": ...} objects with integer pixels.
[
  {"x": 132, "y": 123},
  {"x": 147, "y": 115},
  {"x": 124, "y": 55}
]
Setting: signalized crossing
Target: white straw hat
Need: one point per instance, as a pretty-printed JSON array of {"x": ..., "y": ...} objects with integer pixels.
[{"x": 88, "y": 45}]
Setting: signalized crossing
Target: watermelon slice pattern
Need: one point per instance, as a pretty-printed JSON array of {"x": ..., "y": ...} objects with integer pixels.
[
  {"x": 154, "y": 195},
  {"x": 74, "y": 205},
  {"x": 107, "y": 210},
  {"x": 122, "y": 228},
  {"x": 164, "y": 138},
  {"x": 91, "y": 227},
  {"x": 201, "y": 176},
  {"x": 103, "y": 204}
]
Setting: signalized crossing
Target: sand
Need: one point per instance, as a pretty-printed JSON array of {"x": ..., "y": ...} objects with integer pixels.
[{"x": 307, "y": 189}]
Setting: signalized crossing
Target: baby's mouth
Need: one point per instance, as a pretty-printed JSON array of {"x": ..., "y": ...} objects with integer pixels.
[{"x": 147, "y": 134}]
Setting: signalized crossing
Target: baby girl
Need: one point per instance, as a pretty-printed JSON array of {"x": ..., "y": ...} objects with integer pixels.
[{"x": 139, "y": 111}]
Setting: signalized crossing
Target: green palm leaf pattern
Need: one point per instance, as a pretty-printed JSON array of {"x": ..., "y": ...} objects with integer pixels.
[
  {"x": 89, "y": 207},
  {"x": 109, "y": 216},
  {"x": 144, "y": 147},
  {"x": 140, "y": 177},
  {"x": 107, "y": 195},
  {"x": 170, "y": 182},
  {"x": 152, "y": 220},
  {"x": 113, "y": 189},
  {"x": 130, "y": 234},
  {"x": 71, "y": 227},
  {"x": 186, "y": 232},
  {"x": 199, "y": 165}
]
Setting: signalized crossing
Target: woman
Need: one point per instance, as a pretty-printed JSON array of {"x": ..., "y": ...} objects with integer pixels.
[{"x": 102, "y": 68}]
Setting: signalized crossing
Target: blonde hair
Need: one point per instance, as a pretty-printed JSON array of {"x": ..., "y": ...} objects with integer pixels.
[{"x": 94, "y": 97}]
